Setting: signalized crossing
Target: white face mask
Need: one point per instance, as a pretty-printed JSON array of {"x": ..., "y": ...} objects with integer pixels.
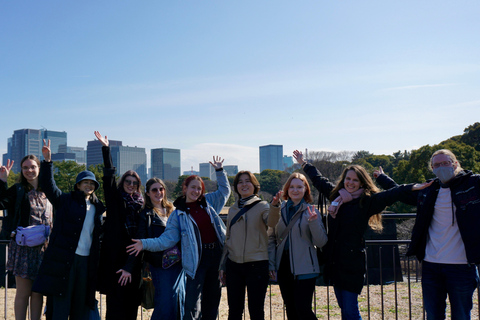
[{"x": 444, "y": 173}]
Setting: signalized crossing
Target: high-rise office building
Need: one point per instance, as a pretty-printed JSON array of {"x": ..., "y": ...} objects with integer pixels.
[
  {"x": 287, "y": 162},
  {"x": 30, "y": 141},
  {"x": 231, "y": 170},
  {"x": 80, "y": 155},
  {"x": 58, "y": 139},
  {"x": 24, "y": 142},
  {"x": 94, "y": 151},
  {"x": 271, "y": 157},
  {"x": 207, "y": 170},
  {"x": 126, "y": 158},
  {"x": 165, "y": 163}
]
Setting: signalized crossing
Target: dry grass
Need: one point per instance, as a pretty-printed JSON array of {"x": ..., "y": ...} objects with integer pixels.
[{"x": 274, "y": 306}]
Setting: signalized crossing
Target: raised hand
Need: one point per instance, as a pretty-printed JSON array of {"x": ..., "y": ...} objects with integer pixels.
[
  {"x": 46, "y": 151},
  {"x": 5, "y": 170},
  {"x": 135, "y": 248},
  {"x": 420, "y": 186},
  {"x": 125, "y": 277},
  {"x": 103, "y": 141},
  {"x": 377, "y": 172},
  {"x": 217, "y": 162},
  {"x": 298, "y": 155},
  {"x": 312, "y": 213},
  {"x": 276, "y": 198}
]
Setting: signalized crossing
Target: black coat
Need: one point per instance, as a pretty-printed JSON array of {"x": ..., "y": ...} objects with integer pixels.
[
  {"x": 70, "y": 211},
  {"x": 151, "y": 229},
  {"x": 114, "y": 256},
  {"x": 345, "y": 249},
  {"x": 465, "y": 192},
  {"x": 19, "y": 216}
]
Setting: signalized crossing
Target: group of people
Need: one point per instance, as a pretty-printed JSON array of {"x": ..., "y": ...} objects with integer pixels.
[{"x": 281, "y": 240}]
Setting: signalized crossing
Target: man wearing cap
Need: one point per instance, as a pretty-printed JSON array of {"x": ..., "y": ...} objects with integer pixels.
[
  {"x": 446, "y": 236},
  {"x": 69, "y": 268}
]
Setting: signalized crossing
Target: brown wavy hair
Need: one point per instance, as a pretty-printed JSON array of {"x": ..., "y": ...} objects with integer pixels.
[{"x": 366, "y": 182}]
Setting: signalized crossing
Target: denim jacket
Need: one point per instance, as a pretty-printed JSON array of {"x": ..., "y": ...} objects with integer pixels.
[{"x": 182, "y": 227}]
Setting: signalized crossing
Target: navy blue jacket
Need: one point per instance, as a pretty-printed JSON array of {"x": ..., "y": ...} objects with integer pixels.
[
  {"x": 70, "y": 211},
  {"x": 465, "y": 191}
]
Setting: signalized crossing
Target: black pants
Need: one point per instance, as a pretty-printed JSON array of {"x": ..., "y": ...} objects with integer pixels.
[
  {"x": 74, "y": 302},
  {"x": 297, "y": 294},
  {"x": 253, "y": 276},
  {"x": 123, "y": 302}
]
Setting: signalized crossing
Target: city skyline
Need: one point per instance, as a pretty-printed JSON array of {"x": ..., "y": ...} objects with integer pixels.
[{"x": 222, "y": 78}]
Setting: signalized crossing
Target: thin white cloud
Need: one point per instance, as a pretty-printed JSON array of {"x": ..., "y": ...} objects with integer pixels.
[{"x": 421, "y": 86}]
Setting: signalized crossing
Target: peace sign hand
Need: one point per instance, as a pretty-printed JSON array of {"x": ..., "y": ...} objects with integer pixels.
[
  {"x": 46, "y": 151},
  {"x": 276, "y": 198},
  {"x": 312, "y": 214},
  {"x": 378, "y": 172},
  {"x": 103, "y": 141},
  {"x": 5, "y": 170},
  {"x": 217, "y": 162}
]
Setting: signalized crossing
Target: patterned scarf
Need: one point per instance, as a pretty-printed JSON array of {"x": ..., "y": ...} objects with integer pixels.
[
  {"x": 133, "y": 203},
  {"x": 242, "y": 201}
]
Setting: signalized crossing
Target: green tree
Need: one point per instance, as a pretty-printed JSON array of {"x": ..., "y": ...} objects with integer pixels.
[
  {"x": 13, "y": 178},
  {"x": 98, "y": 172},
  {"x": 66, "y": 173},
  {"x": 271, "y": 181}
]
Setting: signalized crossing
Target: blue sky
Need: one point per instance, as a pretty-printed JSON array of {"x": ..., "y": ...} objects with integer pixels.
[{"x": 223, "y": 77}]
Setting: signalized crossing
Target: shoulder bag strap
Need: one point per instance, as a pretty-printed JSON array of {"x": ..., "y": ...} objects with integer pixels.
[
  {"x": 241, "y": 212},
  {"x": 289, "y": 227}
]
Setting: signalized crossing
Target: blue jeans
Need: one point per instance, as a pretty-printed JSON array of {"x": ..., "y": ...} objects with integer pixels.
[
  {"x": 166, "y": 294},
  {"x": 457, "y": 280},
  {"x": 348, "y": 303},
  {"x": 203, "y": 293}
]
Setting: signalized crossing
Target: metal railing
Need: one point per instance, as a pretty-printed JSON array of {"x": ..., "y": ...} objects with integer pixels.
[{"x": 385, "y": 300}]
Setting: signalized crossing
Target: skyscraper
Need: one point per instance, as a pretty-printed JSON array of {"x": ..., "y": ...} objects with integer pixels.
[
  {"x": 231, "y": 170},
  {"x": 207, "y": 170},
  {"x": 25, "y": 141},
  {"x": 58, "y": 139},
  {"x": 165, "y": 163},
  {"x": 94, "y": 151},
  {"x": 130, "y": 158},
  {"x": 271, "y": 157}
]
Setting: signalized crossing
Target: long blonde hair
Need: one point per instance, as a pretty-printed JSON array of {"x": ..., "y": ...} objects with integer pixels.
[{"x": 165, "y": 203}]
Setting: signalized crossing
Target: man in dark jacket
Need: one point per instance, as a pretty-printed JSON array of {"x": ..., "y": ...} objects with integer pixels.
[
  {"x": 68, "y": 272},
  {"x": 446, "y": 236}
]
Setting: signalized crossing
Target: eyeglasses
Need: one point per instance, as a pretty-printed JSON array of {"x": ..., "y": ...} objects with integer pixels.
[
  {"x": 130, "y": 182},
  {"x": 155, "y": 190},
  {"x": 442, "y": 164}
]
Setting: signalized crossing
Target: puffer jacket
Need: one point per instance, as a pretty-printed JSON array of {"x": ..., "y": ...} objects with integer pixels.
[
  {"x": 182, "y": 227},
  {"x": 303, "y": 237},
  {"x": 247, "y": 240}
]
